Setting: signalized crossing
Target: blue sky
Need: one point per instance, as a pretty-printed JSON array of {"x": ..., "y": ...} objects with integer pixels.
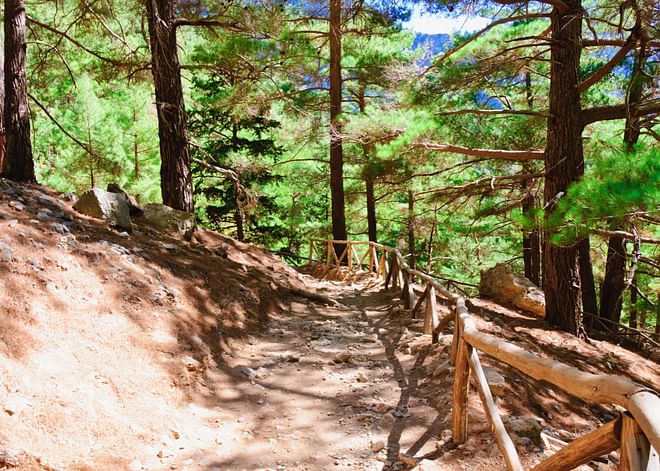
[{"x": 437, "y": 23}]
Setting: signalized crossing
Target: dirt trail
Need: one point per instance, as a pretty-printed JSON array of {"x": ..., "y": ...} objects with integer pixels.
[
  {"x": 324, "y": 388},
  {"x": 145, "y": 352}
]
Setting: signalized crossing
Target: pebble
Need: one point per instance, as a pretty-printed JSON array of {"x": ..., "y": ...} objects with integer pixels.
[
  {"x": 17, "y": 205},
  {"x": 8, "y": 459},
  {"x": 6, "y": 253},
  {"x": 377, "y": 446},
  {"x": 343, "y": 357}
]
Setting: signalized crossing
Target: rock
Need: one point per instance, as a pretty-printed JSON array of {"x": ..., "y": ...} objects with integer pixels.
[
  {"x": 103, "y": 205},
  {"x": 525, "y": 426},
  {"x": 17, "y": 205},
  {"x": 495, "y": 380},
  {"x": 246, "y": 371},
  {"x": 502, "y": 285},
  {"x": 377, "y": 446},
  {"x": 343, "y": 357},
  {"x": 169, "y": 220},
  {"x": 9, "y": 459},
  {"x": 191, "y": 364},
  {"x": 443, "y": 369},
  {"x": 133, "y": 205},
  {"x": 6, "y": 253},
  {"x": 407, "y": 460},
  {"x": 60, "y": 228},
  {"x": 362, "y": 377}
]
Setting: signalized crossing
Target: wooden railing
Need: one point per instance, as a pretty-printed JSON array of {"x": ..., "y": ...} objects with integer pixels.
[{"x": 636, "y": 433}]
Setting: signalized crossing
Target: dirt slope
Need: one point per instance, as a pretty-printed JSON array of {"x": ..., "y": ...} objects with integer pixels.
[
  {"x": 104, "y": 338},
  {"x": 146, "y": 352}
]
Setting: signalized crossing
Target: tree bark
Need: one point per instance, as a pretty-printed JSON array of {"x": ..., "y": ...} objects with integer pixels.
[
  {"x": 17, "y": 163},
  {"x": 561, "y": 277},
  {"x": 587, "y": 283},
  {"x": 411, "y": 229},
  {"x": 611, "y": 291},
  {"x": 371, "y": 206},
  {"x": 175, "y": 173},
  {"x": 531, "y": 238},
  {"x": 2, "y": 105},
  {"x": 336, "y": 150},
  {"x": 368, "y": 174}
]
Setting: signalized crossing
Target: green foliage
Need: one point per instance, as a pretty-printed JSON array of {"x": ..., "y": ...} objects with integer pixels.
[{"x": 619, "y": 187}]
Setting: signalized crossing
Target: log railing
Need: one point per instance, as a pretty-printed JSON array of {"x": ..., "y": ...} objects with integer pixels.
[{"x": 636, "y": 433}]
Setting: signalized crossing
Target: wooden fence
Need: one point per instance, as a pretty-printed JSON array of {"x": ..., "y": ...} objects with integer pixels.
[{"x": 636, "y": 433}]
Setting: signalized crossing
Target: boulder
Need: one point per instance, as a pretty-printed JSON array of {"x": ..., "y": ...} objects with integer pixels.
[
  {"x": 169, "y": 220},
  {"x": 133, "y": 205},
  {"x": 104, "y": 205},
  {"x": 502, "y": 285}
]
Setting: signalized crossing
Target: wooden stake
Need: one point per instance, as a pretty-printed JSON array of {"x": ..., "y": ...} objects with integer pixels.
[
  {"x": 431, "y": 313},
  {"x": 459, "y": 418},
  {"x": 636, "y": 452},
  {"x": 419, "y": 302},
  {"x": 492, "y": 414}
]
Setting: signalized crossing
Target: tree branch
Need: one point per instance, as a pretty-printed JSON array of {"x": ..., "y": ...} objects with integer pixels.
[
  {"x": 540, "y": 114},
  {"x": 607, "y": 113},
  {"x": 519, "y": 155},
  {"x": 626, "y": 235},
  {"x": 77, "y": 43},
  {"x": 607, "y": 68},
  {"x": 558, "y": 4}
]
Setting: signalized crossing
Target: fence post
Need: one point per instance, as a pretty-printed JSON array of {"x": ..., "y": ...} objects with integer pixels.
[
  {"x": 459, "y": 417},
  {"x": 635, "y": 447}
]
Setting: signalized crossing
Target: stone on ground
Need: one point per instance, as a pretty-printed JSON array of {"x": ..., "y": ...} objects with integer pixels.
[
  {"x": 502, "y": 285},
  {"x": 169, "y": 220},
  {"x": 103, "y": 205},
  {"x": 133, "y": 205}
]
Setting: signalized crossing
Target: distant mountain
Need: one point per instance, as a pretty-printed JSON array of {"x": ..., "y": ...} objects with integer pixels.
[{"x": 434, "y": 43}]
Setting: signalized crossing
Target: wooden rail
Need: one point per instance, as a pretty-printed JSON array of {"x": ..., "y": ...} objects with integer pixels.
[{"x": 636, "y": 433}]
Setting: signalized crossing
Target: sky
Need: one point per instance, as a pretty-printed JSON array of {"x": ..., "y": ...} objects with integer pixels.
[{"x": 437, "y": 23}]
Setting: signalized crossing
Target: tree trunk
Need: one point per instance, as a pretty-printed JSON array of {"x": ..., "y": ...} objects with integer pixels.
[
  {"x": 611, "y": 291},
  {"x": 561, "y": 277},
  {"x": 371, "y": 206},
  {"x": 2, "y": 105},
  {"x": 532, "y": 238},
  {"x": 336, "y": 151},
  {"x": 587, "y": 284},
  {"x": 17, "y": 163},
  {"x": 411, "y": 229},
  {"x": 368, "y": 174},
  {"x": 238, "y": 215},
  {"x": 136, "y": 152},
  {"x": 175, "y": 174}
]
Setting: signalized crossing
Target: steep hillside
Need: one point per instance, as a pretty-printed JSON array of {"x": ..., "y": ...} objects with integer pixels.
[{"x": 104, "y": 338}]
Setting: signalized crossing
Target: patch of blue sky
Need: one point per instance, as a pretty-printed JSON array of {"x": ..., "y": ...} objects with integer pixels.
[{"x": 442, "y": 23}]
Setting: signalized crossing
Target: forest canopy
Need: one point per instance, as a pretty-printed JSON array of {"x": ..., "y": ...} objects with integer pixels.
[{"x": 531, "y": 142}]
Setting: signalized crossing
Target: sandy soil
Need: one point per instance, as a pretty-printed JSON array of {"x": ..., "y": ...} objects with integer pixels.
[{"x": 147, "y": 352}]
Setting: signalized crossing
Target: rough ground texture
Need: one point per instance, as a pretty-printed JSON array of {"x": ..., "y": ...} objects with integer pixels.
[{"x": 146, "y": 352}]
